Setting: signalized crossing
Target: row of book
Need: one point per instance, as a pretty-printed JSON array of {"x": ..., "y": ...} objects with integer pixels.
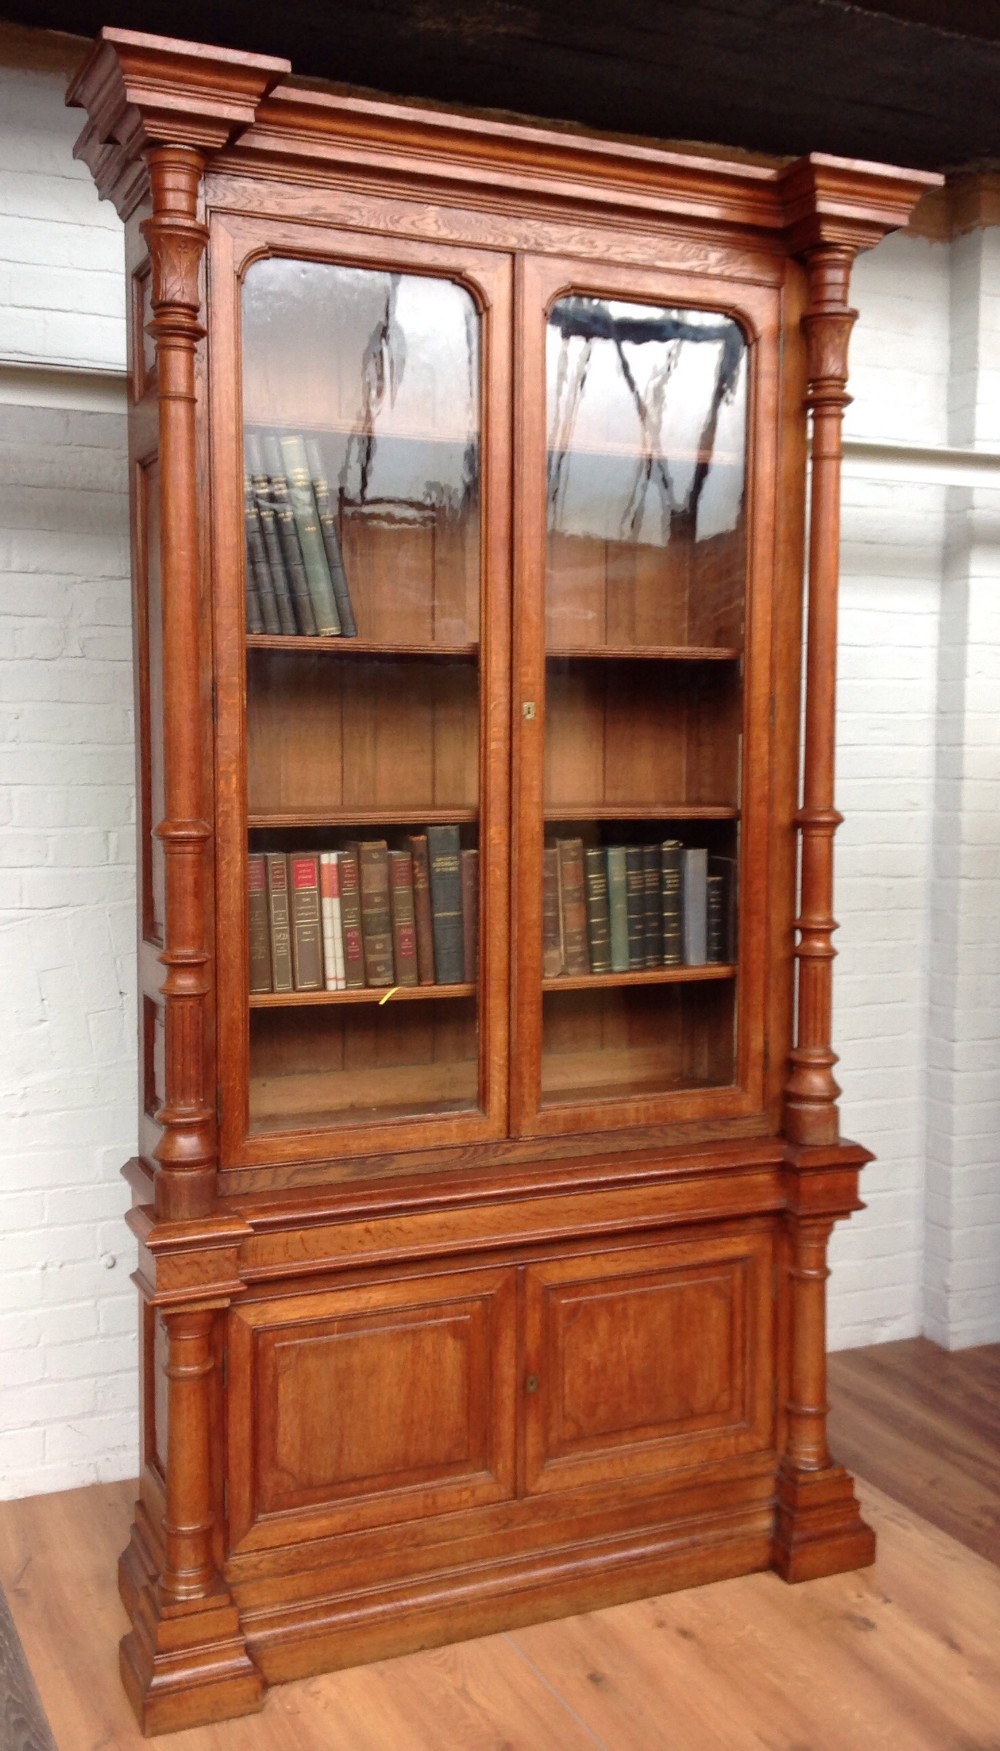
[
  {"x": 365, "y": 915},
  {"x": 295, "y": 577},
  {"x": 626, "y": 908}
]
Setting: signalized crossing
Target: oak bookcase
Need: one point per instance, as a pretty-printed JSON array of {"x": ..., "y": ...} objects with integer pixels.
[{"x": 465, "y": 1305}]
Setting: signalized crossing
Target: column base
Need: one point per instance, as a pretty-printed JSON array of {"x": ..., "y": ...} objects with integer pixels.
[
  {"x": 188, "y": 1665},
  {"x": 818, "y": 1528}
]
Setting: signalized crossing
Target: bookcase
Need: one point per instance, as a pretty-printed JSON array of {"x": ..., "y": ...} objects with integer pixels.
[{"x": 489, "y": 1145}]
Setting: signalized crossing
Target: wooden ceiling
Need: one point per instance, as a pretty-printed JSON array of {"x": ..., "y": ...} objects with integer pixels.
[{"x": 916, "y": 82}]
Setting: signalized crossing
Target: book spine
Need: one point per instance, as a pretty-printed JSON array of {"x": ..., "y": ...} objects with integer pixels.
[
  {"x": 300, "y": 494},
  {"x": 260, "y": 929},
  {"x": 715, "y": 921},
  {"x": 284, "y": 518},
  {"x": 670, "y": 902},
  {"x": 307, "y": 928},
  {"x": 595, "y": 873},
  {"x": 635, "y": 901},
  {"x": 552, "y": 959},
  {"x": 469, "y": 873},
  {"x": 694, "y": 905},
  {"x": 350, "y": 918},
  {"x": 255, "y": 561},
  {"x": 331, "y": 542},
  {"x": 281, "y": 932},
  {"x": 376, "y": 913},
  {"x": 404, "y": 932},
  {"x": 618, "y": 908},
  {"x": 574, "y": 905},
  {"x": 333, "y": 942},
  {"x": 446, "y": 903},
  {"x": 423, "y": 922},
  {"x": 722, "y": 947},
  {"x": 272, "y": 544},
  {"x": 653, "y": 912}
]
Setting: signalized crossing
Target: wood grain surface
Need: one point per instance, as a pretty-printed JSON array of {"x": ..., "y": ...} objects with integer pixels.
[
  {"x": 23, "y": 1726},
  {"x": 904, "y": 1654}
]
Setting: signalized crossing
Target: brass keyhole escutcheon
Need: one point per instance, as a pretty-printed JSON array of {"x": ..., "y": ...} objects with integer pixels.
[{"x": 531, "y": 1384}]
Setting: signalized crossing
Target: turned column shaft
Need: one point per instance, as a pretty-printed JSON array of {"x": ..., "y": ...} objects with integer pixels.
[
  {"x": 176, "y": 238},
  {"x": 811, "y": 1091},
  {"x": 189, "y": 1565},
  {"x": 807, "y": 1406}
]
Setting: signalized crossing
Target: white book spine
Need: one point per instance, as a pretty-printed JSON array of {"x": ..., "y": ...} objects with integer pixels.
[{"x": 333, "y": 940}]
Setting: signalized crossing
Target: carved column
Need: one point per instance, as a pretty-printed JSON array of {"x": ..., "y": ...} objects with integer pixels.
[
  {"x": 807, "y": 1407},
  {"x": 189, "y": 1566},
  {"x": 185, "y": 1182},
  {"x": 811, "y": 1091}
]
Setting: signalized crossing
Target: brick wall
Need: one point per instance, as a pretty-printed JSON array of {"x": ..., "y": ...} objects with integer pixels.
[{"x": 919, "y": 782}]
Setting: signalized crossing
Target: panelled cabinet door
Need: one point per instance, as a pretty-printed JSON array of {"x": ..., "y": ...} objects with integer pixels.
[
  {"x": 647, "y": 1360},
  {"x": 362, "y": 1407},
  {"x": 642, "y": 668},
  {"x": 363, "y": 702}
]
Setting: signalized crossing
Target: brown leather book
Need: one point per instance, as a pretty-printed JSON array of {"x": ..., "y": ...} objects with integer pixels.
[
  {"x": 376, "y": 913},
  {"x": 350, "y": 920},
  {"x": 469, "y": 871},
  {"x": 573, "y": 906},
  {"x": 281, "y": 934},
  {"x": 422, "y": 907},
  {"x": 260, "y": 928},
  {"x": 552, "y": 955},
  {"x": 404, "y": 935},
  {"x": 307, "y": 926}
]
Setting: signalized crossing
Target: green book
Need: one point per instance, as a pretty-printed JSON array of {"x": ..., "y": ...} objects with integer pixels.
[
  {"x": 618, "y": 908},
  {"x": 291, "y": 552},
  {"x": 272, "y": 542},
  {"x": 670, "y": 901},
  {"x": 303, "y": 503},
  {"x": 595, "y": 878},
  {"x": 331, "y": 542}
]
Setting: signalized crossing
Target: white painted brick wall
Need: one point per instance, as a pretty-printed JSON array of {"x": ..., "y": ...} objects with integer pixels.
[{"x": 67, "y": 1073}]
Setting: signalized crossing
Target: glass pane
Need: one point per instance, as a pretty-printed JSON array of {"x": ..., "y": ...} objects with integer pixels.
[
  {"x": 362, "y": 567},
  {"x": 645, "y": 585}
]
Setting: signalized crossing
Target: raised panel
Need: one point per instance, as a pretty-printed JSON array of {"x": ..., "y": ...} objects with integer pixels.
[
  {"x": 358, "y": 1407},
  {"x": 647, "y": 1360}
]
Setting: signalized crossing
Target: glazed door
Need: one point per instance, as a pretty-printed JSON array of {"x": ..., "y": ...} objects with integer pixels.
[
  {"x": 642, "y": 632},
  {"x": 362, "y": 515}
]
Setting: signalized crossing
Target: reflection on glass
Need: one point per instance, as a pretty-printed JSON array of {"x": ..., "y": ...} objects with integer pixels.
[
  {"x": 361, "y": 408},
  {"x": 645, "y": 584},
  {"x": 646, "y": 434}
]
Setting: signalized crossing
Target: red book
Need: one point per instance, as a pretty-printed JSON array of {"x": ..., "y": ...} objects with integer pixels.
[
  {"x": 307, "y": 928},
  {"x": 422, "y": 917},
  {"x": 404, "y": 935}
]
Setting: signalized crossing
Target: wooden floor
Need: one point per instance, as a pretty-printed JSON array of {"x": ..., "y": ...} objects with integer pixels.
[{"x": 902, "y": 1657}]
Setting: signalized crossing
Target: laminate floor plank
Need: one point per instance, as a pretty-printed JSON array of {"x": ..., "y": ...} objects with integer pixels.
[
  {"x": 924, "y": 1425},
  {"x": 903, "y": 1655}
]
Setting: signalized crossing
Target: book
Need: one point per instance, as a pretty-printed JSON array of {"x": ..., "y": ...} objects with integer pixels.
[
  {"x": 404, "y": 933},
  {"x": 635, "y": 902},
  {"x": 307, "y": 929},
  {"x": 423, "y": 922},
  {"x": 281, "y": 933},
  {"x": 300, "y": 496},
  {"x": 653, "y": 909},
  {"x": 618, "y": 908},
  {"x": 331, "y": 541},
  {"x": 694, "y": 900},
  {"x": 573, "y": 906},
  {"x": 257, "y": 583},
  {"x": 333, "y": 935},
  {"x": 376, "y": 912},
  {"x": 595, "y": 878},
  {"x": 260, "y": 925},
  {"x": 670, "y": 901},
  {"x": 469, "y": 876},
  {"x": 277, "y": 575},
  {"x": 291, "y": 552},
  {"x": 446, "y": 903},
  {"x": 720, "y": 925},
  {"x": 552, "y": 957},
  {"x": 350, "y": 920}
]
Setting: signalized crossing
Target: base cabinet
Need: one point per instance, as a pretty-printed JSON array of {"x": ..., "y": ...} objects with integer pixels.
[{"x": 489, "y": 1146}]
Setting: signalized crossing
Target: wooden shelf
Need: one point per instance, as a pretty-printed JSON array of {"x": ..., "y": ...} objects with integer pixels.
[
  {"x": 661, "y": 653},
  {"x": 665, "y": 812},
  {"x": 337, "y": 645},
  {"x": 386, "y": 816},
  {"x": 647, "y": 976},
  {"x": 369, "y": 994}
]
